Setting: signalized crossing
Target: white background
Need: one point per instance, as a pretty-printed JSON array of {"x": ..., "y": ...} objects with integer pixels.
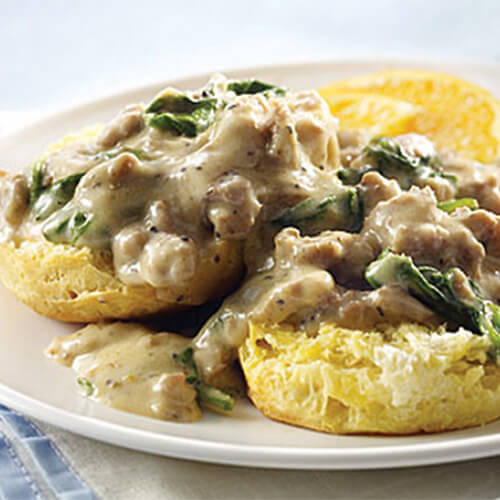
[{"x": 54, "y": 52}]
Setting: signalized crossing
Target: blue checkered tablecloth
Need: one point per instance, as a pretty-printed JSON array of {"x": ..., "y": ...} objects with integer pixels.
[{"x": 31, "y": 464}]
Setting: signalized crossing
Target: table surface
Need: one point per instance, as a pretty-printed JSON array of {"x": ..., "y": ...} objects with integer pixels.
[
  {"x": 55, "y": 53},
  {"x": 138, "y": 475}
]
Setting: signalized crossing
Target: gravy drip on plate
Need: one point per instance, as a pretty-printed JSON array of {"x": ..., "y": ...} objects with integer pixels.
[{"x": 126, "y": 366}]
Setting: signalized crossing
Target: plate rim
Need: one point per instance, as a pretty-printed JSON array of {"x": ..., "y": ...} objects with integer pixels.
[
  {"x": 257, "y": 456},
  {"x": 340, "y": 458},
  {"x": 382, "y": 60}
]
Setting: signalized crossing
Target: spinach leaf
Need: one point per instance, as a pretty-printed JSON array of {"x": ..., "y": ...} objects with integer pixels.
[
  {"x": 182, "y": 115},
  {"x": 451, "y": 205},
  {"x": 188, "y": 116},
  {"x": 312, "y": 216},
  {"x": 78, "y": 225},
  {"x": 56, "y": 196},
  {"x": 387, "y": 152},
  {"x": 254, "y": 87},
  {"x": 179, "y": 104},
  {"x": 87, "y": 387},
  {"x": 386, "y": 156},
  {"x": 37, "y": 187},
  {"x": 437, "y": 290},
  {"x": 208, "y": 395},
  {"x": 66, "y": 225}
]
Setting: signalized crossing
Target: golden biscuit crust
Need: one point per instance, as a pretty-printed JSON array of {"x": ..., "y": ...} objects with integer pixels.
[
  {"x": 79, "y": 285},
  {"x": 404, "y": 380}
]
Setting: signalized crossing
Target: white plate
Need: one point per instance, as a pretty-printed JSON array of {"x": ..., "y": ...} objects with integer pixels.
[{"x": 41, "y": 389}]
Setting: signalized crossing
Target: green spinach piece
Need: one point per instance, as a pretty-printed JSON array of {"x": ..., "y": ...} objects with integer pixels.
[
  {"x": 451, "y": 205},
  {"x": 78, "y": 225},
  {"x": 55, "y": 196},
  {"x": 86, "y": 386},
  {"x": 254, "y": 87},
  {"x": 437, "y": 290},
  {"x": 311, "y": 216},
  {"x": 182, "y": 115},
  {"x": 386, "y": 156},
  {"x": 66, "y": 225},
  {"x": 208, "y": 395},
  {"x": 37, "y": 186}
]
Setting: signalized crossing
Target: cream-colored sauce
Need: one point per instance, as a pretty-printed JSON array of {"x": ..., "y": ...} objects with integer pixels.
[
  {"x": 126, "y": 366},
  {"x": 168, "y": 203},
  {"x": 159, "y": 211},
  {"x": 415, "y": 145},
  {"x": 481, "y": 182},
  {"x": 312, "y": 278}
]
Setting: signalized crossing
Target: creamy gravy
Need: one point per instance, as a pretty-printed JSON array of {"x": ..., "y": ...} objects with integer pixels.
[
  {"x": 321, "y": 279},
  {"x": 267, "y": 161},
  {"x": 126, "y": 366},
  {"x": 153, "y": 196}
]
